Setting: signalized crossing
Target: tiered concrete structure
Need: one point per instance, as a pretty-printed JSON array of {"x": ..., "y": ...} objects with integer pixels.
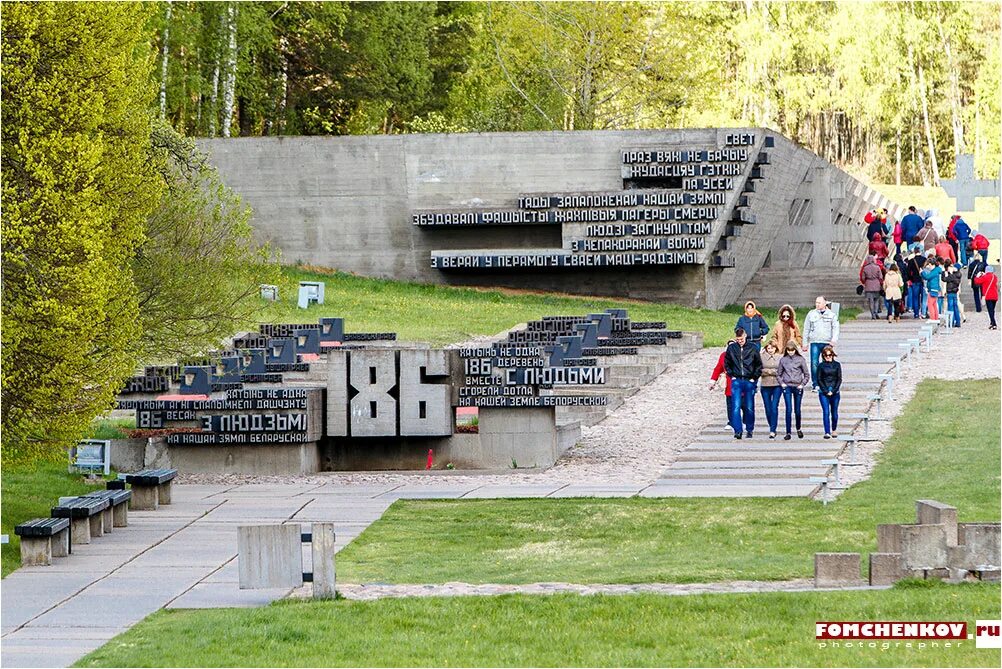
[{"x": 348, "y": 203}]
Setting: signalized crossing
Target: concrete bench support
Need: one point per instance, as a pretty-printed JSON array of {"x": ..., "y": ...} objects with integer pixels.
[
  {"x": 79, "y": 531},
  {"x": 61, "y": 543},
  {"x": 145, "y": 497},
  {"x": 96, "y": 525},
  {"x": 107, "y": 520},
  {"x": 36, "y": 551},
  {"x": 120, "y": 515},
  {"x": 269, "y": 556},
  {"x": 164, "y": 492}
]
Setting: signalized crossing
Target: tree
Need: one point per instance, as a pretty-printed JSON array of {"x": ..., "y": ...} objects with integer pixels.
[
  {"x": 198, "y": 269},
  {"x": 78, "y": 186}
]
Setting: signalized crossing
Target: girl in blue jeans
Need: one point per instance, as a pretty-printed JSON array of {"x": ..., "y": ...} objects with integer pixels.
[
  {"x": 769, "y": 383},
  {"x": 829, "y": 384}
]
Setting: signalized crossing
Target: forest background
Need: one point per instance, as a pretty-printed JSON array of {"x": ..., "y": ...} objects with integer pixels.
[
  {"x": 890, "y": 90},
  {"x": 121, "y": 245}
]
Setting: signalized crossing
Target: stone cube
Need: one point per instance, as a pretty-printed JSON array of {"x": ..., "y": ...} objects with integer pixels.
[
  {"x": 886, "y": 568},
  {"x": 979, "y": 547},
  {"x": 923, "y": 546},
  {"x": 836, "y": 569},
  {"x": 269, "y": 556},
  {"x": 931, "y": 512},
  {"x": 889, "y": 538}
]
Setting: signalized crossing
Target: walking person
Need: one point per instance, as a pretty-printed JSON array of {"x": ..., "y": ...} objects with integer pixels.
[
  {"x": 872, "y": 278},
  {"x": 916, "y": 286},
  {"x": 794, "y": 375},
  {"x": 980, "y": 245},
  {"x": 944, "y": 250},
  {"x": 753, "y": 324},
  {"x": 931, "y": 274},
  {"x": 717, "y": 371},
  {"x": 893, "y": 284},
  {"x": 951, "y": 279},
  {"x": 877, "y": 247},
  {"x": 786, "y": 328},
  {"x": 988, "y": 282},
  {"x": 898, "y": 237},
  {"x": 975, "y": 267},
  {"x": 769, "y": 382},
  {"x": 910, "y": 226},
  {"x": 962, "y": 231},
  {"x": 821, "y": 328},
  {"x": 744, "y": 365},
  {"x": 927, "y": 237},
  {"x": 829, "y": 385}
]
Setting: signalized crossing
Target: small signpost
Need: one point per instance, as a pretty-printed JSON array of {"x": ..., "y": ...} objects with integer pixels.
[
  {"x": 269, "y": 292},
  {"x": 310, "y": 292},
  {"x": 92, "y": 456}
]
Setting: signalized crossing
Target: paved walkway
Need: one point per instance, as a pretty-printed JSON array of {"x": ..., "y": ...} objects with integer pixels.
[{"x": 717, "y": 465}]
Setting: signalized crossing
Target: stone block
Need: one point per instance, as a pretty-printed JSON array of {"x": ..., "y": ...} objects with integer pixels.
[
  {"x": 836, "y": 569},
  {"x": 885, "y": 568},
  {"x": 989, "y": 575},
  {"x": 940, "y": 574},
  {"x": 923, "y": 546},
  {"x": 108, "y": 519},
  {"x": 979, "y": 547},
  {"x": 323, "y": 560},
  {"x": 425, "y": 405},
  {"x": 61, "y": 543},
  {"x": 889, "y": 538},
  {"x": 120, "y": 515},
  {"x": 79, "y": 531},
  {"x": 97, "y": 525},
  {"x": 931, "y": 512},
  {"x": 269, "y": 556},
  {"x": 373, "y": 411},
  {"x": 144, "y": 498},
  {"x": 163, "y": 492},
  {"x": 36, "y": 551}
]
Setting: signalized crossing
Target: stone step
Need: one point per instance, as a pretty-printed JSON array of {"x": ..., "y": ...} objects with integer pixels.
[
  {"x": 734, "y": 480},
  {"x": 715, "y": 473},
  {"x": 736, "y": 456},
  {"x": 750, "y": 463},
  {"x": 739, "y": 489}
]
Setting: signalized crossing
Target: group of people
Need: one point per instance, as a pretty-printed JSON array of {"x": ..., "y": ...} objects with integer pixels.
[
  {"x": 778, "y": 366},
  {"x": 927, "y": 267}
]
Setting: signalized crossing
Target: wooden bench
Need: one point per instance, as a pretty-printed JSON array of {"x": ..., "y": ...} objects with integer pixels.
[
  {"x": 117, "y": 513},
  {"x": 42, "y": 539},
  {"x": 85, "y": 516},
  {"x": 150, "y": 488}
]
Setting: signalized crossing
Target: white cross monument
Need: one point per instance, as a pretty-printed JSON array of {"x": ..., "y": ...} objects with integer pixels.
[{"x": 965, "y": 188}]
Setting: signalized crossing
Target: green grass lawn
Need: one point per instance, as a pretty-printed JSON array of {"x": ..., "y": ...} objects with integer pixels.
[
  {"x": 948, "y": 455},
  {"x": 446, "y": 314},
  {"x": 774, "y": 629},
  {"x": 30, "y": 491}
]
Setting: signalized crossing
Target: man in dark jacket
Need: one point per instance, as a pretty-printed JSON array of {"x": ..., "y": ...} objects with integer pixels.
[
  {"x": 743, "y": 364},
  {"x": 910, "y": 225},
  {"x": 962, "y": 233},
  {"x": 977, "y": 265},
  {"x": 916, "y": 289},
  {"x": 952, "y": 278}
]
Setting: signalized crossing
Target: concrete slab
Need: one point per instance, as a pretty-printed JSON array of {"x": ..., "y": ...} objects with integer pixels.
[
  {"x": 770, "y": 490},
  {"x": 501, "y": 491},
  {"x": 598, "y": 491},
  {"x": 226, "y": 595}
]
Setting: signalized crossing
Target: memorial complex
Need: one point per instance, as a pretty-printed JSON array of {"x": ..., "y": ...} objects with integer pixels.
[{"x": 685, "y": 216}]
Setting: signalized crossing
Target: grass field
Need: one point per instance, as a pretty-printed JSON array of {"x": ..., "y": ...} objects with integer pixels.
[
  {"x": 30, "y": 491},
  {"x": 774, "y": 629},
  {"x": 446, "y": 314},
  {"x": 932, "y": 455}
]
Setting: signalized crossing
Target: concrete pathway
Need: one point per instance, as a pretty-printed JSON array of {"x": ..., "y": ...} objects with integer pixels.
[{"x": 717, "y": 465}]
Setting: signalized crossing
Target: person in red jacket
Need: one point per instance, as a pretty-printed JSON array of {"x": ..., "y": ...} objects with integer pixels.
[
  {"x": 945, "y": 251},
  {"x": 980, "y": 244},
  {"x": 717, "y": 371},
  {"x": 877, "y": 247},
  {"x": 988, "y": 282}
]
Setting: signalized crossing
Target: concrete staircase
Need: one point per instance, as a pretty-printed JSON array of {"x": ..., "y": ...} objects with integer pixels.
[
  {"x": 800, "y": 287},
  {"x": 717, "y": 465}
]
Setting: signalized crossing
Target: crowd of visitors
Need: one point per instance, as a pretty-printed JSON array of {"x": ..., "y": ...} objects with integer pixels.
[
  {"x": 924, "y": 272},
  {"x": 780, "y": 369}
]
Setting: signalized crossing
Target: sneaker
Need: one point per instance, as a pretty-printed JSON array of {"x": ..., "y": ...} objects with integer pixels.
[
  {"x": 772, "y": 435},
  {"x": 834, "y": 434},
  {"x": 787, "y": 437},
  {"x": 748, "y": 435},
  {"x": 737, "y": 435},
  {"x": 800, "y": 434},
  {"x": 827, "y": 436}
]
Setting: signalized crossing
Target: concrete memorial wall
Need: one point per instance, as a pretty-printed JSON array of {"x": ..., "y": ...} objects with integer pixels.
[
  {"x": 682, "y": 215},
  {"x": 296, "y": 398}
]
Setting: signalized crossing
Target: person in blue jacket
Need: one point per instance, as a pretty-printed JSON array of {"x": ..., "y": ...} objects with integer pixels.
[
  {"x": 962, "y": 231},
  {"x": 753, "y": 324},
  {"x": 910, "y": 226}
]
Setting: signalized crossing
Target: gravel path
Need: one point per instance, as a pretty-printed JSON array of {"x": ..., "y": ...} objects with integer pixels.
[
  {"x": 376, "y": 591},
  {"x": 971, "y": 352}
]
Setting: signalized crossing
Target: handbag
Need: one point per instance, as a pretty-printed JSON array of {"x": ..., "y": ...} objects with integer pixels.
[{"x": 859, "y": 289}]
